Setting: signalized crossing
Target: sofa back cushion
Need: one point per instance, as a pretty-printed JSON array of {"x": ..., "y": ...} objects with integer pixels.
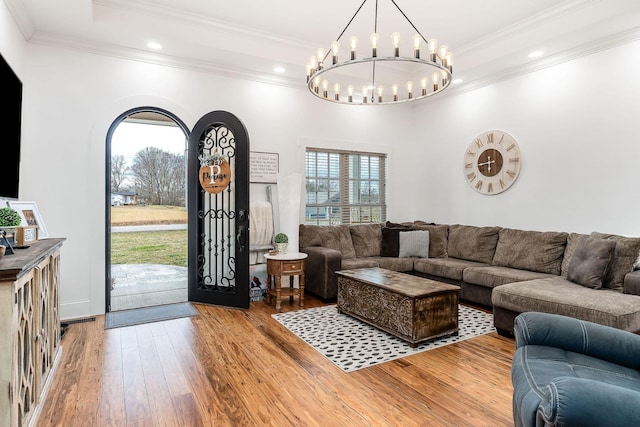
[
  {"x": 310, "y": 235},
  {"x": 438, "y": 239},
  {"x": 624, "y": 256},
  {"x": 472, "y": 243},
  {"x": 531, "y": 250},
  {"x": 366, "y": 239},
  {"x": 336, "y": 237}
]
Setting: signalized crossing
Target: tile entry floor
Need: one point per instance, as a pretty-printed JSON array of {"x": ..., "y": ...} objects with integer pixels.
[{"x": 145, "y": 285}]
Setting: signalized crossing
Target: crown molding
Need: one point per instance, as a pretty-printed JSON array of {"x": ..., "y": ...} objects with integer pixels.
[
  {"x": 21, "y": 17},
  {"x": 586, "y": 49},
  {"x": 129, "y": 54},
  {"x": 148, "y": 8},
  {"x": 553, "y": 13}
]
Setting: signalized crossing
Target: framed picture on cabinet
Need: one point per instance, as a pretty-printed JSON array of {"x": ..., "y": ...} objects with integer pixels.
[{"x": 30, "y": 216}]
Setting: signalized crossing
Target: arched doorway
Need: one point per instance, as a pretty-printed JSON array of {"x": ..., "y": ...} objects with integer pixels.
[{"x": 146, "y": 212}]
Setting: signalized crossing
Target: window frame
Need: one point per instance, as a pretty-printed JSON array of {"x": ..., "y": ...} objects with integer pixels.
[{"x": 349, "y": 207}]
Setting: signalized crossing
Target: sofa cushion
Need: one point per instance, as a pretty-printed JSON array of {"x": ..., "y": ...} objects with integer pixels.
[
  {"x": 450, "y": 268},
  {"x": 590, "y": 262},
  {"x": 472, "y": 243},
  {"x": 492, "y": 276},
  {"x": 438, "y": 238},
  {"x": 624, "y": 256},
  {"x": 395, "y": 264},
  {"x": 572, "y": 242},
  {"x": 390, "y": 245},
  {"x": 531, "y": 250},
  {"x": 557, "y": 295},
  {"x": 310, "y": 235},
  {"x": 351, "y": 263},
  {"x": 366, "y": 239},
  {"x": 414, "y": 243}
]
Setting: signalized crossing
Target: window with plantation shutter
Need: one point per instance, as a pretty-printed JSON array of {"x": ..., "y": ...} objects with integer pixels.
[{"x": 344, "y": 187}]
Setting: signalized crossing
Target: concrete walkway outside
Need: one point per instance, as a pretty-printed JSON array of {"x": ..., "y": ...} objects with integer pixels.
[{"x": 144, "y": 285}]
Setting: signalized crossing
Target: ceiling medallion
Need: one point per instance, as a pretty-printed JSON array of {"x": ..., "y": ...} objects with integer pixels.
[{"x": 385, "y": 77}]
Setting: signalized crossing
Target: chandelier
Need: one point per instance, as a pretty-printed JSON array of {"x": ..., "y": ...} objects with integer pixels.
[{"x": 386, "y": 76}]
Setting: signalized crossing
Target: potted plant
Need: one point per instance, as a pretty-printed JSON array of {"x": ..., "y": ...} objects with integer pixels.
[
  {"x": 281, "y": 241},
  {"x": 9, "y": 222}
]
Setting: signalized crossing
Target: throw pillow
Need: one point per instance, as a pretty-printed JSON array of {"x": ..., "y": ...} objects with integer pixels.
[
  {"x": 414, "y": 244},
  {"x": 390, "y": 246},
  {"x": 625, "y": 254},
  {"x": 590, "y": 262},
  {"x": 572, "y": 242}
]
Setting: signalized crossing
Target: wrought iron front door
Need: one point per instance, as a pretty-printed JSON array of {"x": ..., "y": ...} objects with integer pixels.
[{"x": 218, "y": 207}]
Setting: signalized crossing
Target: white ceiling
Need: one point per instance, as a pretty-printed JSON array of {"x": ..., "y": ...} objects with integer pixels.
[{"x": 490, "y": 39}]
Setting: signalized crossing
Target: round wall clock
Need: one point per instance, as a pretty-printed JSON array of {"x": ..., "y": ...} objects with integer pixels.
[{"x": 492, "y": 162}]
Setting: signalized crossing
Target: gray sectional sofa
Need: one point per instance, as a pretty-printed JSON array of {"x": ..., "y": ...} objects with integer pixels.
[{"x": 589, "y": 277}]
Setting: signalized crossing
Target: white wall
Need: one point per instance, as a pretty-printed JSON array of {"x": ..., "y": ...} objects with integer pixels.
[
  {"x": 578, "y": 127},
  {"x": 72, "y": 98}
]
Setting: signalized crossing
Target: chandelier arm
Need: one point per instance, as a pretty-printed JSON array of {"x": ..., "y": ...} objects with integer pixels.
[
  {"x": 408, "y": 20},
  {"x": 351, "y": 20}
]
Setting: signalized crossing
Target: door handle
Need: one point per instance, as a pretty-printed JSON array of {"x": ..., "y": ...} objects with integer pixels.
[{"x": 242, "y": 238}]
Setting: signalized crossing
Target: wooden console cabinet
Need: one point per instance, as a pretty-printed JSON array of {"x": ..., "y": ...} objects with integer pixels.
[{"x": 29, "y": 329}]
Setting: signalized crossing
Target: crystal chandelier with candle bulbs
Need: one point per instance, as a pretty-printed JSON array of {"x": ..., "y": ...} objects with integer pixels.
[{"x": 384, "y": 72}]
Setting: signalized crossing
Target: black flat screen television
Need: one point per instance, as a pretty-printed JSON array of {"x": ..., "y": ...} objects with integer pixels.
[{"x": 10, "y": 123}]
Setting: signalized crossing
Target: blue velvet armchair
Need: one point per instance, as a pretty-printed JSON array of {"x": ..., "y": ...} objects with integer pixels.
[{"x": 569, "y": 372}]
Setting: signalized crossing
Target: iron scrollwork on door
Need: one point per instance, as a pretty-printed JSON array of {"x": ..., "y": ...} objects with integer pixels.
[{"x": 216, "y": 259}]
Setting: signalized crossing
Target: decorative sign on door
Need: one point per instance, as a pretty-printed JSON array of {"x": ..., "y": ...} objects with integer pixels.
[{"x": 215, "y": 173}]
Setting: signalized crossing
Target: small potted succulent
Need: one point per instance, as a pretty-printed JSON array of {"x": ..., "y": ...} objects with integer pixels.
[
  {"x": 9, "y": 222},
  {"x": 281, "y": 241}
]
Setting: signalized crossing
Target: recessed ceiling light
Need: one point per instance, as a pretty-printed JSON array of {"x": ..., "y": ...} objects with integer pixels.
[
  {"x": 536, "y": 54},
  {"x": 154, "y": 45},
  {"x": 279, "y": 70},
  {"x": 456, "y": 81}
]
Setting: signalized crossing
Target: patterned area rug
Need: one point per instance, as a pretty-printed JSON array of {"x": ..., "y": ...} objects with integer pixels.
[{"x": 352, "y": 344}]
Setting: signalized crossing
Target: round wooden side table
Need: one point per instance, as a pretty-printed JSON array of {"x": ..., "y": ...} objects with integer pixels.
[{"x": 287, "y": 264}]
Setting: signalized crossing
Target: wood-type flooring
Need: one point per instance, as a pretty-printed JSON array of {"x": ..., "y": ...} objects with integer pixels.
[{"x": 232, "y": 367}]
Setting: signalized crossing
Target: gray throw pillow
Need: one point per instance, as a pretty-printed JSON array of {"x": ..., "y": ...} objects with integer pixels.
[
  {"x": 590, "y": 262},
  {"x": 414, "y": 244},
  {"x": 625, "y": 254}
]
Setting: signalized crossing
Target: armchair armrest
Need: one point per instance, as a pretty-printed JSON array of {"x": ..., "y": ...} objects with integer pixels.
[
  {"x": 571, "y": 401},
  {"x": 319, "y": 271},
  {"x": 579, "y": 336}
]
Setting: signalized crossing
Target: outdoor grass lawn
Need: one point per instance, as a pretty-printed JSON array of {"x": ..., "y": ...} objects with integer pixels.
[
  {"x": 147, "y": 215},
  {"x": 150, "y": 247}
]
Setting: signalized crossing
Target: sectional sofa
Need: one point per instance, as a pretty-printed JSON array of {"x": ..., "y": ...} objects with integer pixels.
[{"x": 589, "y": 277}]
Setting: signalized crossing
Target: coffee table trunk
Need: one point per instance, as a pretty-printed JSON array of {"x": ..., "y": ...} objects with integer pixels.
[{"x": 412, "y": 308}]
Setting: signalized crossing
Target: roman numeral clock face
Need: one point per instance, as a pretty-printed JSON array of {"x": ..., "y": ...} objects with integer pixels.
[{"x": 492, "y": 162}]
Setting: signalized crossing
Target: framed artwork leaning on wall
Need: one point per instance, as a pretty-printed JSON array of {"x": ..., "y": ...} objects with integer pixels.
[{"x": 30, "y": 216}]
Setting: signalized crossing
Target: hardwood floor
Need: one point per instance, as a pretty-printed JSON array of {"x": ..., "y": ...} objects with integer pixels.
[{"x": 229, "y": 367}]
